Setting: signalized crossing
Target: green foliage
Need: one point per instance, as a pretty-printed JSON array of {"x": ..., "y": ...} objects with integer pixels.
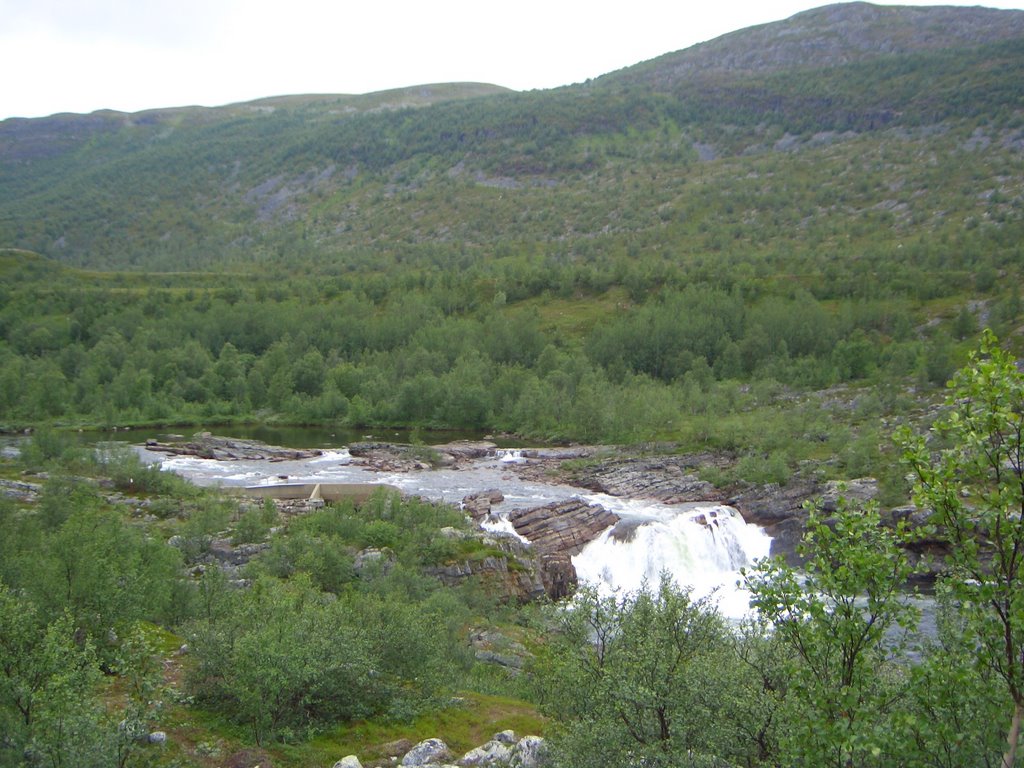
[
  {"x": 49, "y": 713},
  {"x": 974, "y": 483},
  {"x": 130, "y": 474},
  {"x": 308, "y": 661},
  {"x": 47, "y": 447},
  {"x": 629, "y": 681},
  {"x": 255, "y": 523},
  {"x": 835, "y": 615}
]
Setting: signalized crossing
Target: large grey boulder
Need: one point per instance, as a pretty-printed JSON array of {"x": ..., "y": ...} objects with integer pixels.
[
  {"x": 429, "y": 752},
  {"x": 493, "y": 753},
  {"x": 529, "y": 752},
  {"x": 349, "y": 761}
]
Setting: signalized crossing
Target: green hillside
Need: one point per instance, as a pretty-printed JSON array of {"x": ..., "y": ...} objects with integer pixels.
[
  {"x": 834, "y": 199},
  {"x": 641, "y": 154}
]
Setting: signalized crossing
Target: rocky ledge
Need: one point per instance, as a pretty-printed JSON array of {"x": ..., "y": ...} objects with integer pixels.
[
  {"x": 668, "y": 479},
  {"x": 207, "y": 446},
  {"x": 401, "y": 457},
  {"x": 562, "y": 527}
]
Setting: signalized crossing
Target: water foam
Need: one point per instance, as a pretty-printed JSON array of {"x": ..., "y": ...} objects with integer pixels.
[{"x": 702, "y": 548}]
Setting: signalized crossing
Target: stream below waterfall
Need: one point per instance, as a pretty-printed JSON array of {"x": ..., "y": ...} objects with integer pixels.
[{"x": 702, "y": 546}]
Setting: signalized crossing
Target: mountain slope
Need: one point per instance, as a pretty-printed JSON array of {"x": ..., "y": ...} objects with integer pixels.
[
  {"x": 757, "y": 134},
  {"x": 830, "y": 36}
]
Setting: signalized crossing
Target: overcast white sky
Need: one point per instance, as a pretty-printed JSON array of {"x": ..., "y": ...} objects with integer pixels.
[{"x": 130, "y": 55}]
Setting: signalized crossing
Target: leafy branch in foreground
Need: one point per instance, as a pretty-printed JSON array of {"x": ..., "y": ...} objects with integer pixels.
[
  {"x": 838, "y": 617},
  {"x": 975, "y": 487}
]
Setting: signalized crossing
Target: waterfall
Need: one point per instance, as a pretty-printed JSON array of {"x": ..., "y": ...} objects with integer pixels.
[{"x": 701, "y": 547}]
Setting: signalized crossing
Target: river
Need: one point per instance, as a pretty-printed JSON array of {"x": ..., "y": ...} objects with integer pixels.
[{"x": 702, "y": 546}]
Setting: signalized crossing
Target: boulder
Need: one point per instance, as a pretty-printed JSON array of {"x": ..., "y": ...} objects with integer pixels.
[
  {"x": 506, "y": 737},
  {"x": 349, "y": 761},
  {"x": 493, "y": 753},
  {"x": 529, "y": 752},
  {"x": 478, "y": 505},
  {"x": 157, "y": 737},
  {"x": 429, "y": 752},
  {"x": 374, "y": 559}
]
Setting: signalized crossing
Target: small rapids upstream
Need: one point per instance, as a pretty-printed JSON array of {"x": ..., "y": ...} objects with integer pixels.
[{"x": 702, "y": 546}]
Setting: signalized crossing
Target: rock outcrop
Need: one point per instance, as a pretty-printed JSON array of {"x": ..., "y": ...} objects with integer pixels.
[
  {"x": 478, "y": 505},
  {"x": 562, "y": 527},
  {"x": 779, "y": 510},
  {"x": 401, "y": 457},
  {"x": 515, "y": 576},
  {"x": 669, "y": 479},
  {"x": 20, "y": 491},
  {"x": 207, "y": 446}
]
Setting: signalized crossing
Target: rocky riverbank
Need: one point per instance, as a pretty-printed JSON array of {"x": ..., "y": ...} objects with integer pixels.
[{"x": 558, "y": 531}]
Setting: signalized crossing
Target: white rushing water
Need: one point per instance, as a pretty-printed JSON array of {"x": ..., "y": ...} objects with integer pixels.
[{"x": 702, "y": 546}]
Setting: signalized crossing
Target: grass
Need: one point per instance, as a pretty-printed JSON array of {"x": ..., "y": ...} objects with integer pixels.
[
  {"x": 574, "y": 318},
  {"x": 469, "y": 724},
  {"x": 199, "y": 737}
]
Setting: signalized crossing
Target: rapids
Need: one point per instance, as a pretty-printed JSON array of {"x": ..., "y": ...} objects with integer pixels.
[{"x": 702, "y": 546}]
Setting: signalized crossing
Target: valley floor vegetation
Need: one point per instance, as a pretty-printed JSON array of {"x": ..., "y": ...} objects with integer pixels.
[
  {"x": 104, "y": 574},
  {"x": 773, "y": 373}
]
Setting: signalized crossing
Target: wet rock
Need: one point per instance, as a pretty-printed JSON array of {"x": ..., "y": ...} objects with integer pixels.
[
  {"x": 562, "y": 527},
  {"x": 401, "y": 457},
  {"x": 478, "y": 505},
  {"x": 465, "y": 450},
  {"x": 780, "y": 511},
  {"x": 558, "y": 575}
]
